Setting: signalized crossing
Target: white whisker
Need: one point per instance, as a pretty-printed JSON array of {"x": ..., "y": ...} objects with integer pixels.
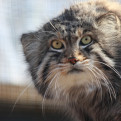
[
  {"x": 96, "y": 77},
  {"x": 111, "y": 67},
  {"x": 21, "y": 95},
  {"x": 47, "y": 92},
  {"x": 107, "y": 82}
]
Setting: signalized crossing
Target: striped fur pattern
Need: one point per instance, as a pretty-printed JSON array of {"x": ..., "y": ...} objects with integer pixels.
[{"x": 91, "y": 86}]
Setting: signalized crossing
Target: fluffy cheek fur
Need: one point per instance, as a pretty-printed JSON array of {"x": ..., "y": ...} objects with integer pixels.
[{"x": 59, "y": 81}]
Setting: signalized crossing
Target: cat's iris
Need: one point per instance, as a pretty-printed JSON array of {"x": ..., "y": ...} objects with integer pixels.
[
  {"x": 56, "y": 44},
  {"x": 85, "y": 41}
]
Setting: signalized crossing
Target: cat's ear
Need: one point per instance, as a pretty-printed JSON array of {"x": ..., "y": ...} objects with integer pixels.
[
  {"x": 109, "y": 23},
  {"x": 31, "y": 45},
  {"x": 28, "y": 39},
  {"x": 29, "y": 42}
]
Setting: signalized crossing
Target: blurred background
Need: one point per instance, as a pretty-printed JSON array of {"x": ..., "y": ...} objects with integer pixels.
[{"x": 18, "y": 17}]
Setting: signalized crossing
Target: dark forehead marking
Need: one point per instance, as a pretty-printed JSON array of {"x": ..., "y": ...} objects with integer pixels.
[
  {"x": 69, "y": 38},
  {"x": 87, "y": 25},
  {"x": 68, "y": 15},
  {"x": 72, "y": 26},
  {"x": 71, "y": 23}
]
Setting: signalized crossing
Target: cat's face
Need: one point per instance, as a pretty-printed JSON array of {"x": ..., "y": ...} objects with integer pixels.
[{"x": 78, "y": 49}]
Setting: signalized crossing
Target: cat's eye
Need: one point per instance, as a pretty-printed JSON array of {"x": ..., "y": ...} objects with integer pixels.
[
  {"x": 56, "y": 44},
  {"x": 85, "y": 41}
]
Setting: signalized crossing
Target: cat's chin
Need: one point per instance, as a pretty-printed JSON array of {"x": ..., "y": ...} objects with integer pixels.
[{"x": 75, "y": 70}]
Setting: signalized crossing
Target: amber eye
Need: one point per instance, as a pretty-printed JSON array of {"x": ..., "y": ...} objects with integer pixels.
[
  {"x": 56, "y": 44},
  {"x": 85, "y": 41}
]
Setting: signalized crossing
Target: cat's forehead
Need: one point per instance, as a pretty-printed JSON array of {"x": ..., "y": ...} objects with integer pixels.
[
  {"x": 74, "y": 29},
  {"x": 79, "y": 16},
  {"x": 82, "y": 13}
]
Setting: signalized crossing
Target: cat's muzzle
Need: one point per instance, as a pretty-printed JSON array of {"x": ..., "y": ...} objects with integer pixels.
[{"x": 72, "y": 60}]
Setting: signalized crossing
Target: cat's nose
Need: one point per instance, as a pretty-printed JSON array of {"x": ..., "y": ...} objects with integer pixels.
[{"x": 72, "y": 60}]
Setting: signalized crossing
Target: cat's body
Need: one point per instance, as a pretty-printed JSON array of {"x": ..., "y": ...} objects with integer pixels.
[{"x": 75, "y": 58}]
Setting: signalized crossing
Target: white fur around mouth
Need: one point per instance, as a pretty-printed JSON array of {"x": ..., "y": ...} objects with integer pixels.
[{"x": 75, "y": 70}]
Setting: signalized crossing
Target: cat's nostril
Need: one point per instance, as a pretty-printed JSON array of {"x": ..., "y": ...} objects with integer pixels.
[{"x": 72, "y": 60}]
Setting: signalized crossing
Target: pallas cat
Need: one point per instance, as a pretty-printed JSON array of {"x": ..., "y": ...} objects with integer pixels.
[{"x": 76, "y": 58}]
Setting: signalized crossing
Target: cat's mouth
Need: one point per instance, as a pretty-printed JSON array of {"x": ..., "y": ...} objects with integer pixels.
[{"x": 75, "y": 70}]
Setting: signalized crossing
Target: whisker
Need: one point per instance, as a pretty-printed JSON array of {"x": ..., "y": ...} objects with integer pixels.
[
  {"x": 47, "y": 92},
  {"x": 51, "y": 32},
  {"x": 97, "y": 80},
  {"x": 54, "y": 70},
  {"x": 111, "y": 67},
  {"x": 53, "y": 26},
  {"x": 100, "y": 76},
  {"x": 106, "y": 80},
  {"x": 96, "y": 77},
  {"x": 104, "y": 76},
  {"x": 57, "y": 31},
  {"x": 20, "y": 96},
  {"x": 105, "y": 83},
  {"x": 56, "y": 75}
]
